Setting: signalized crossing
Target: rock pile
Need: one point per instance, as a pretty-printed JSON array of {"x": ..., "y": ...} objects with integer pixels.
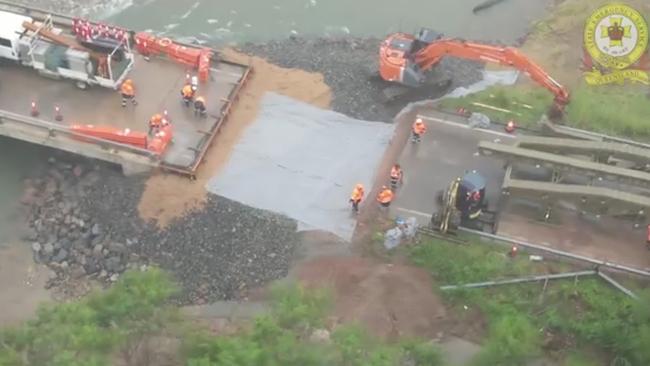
[
  {"x": 350, "y": 67},
  {"x": 84, "y": 223}
]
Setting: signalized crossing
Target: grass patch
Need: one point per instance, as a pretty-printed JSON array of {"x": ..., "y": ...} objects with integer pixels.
[
  {"x": 527, "y": 104},
  {"x": 569, "y": 314},
  {"x": 619, "y": 111},
  {"x": 615, "y": 110}
]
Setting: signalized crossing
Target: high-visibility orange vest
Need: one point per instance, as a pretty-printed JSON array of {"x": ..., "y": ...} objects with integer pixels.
[
  {"x": 357, "y": 194},
  {"x": 395, "y": 173},
  {"x": 385, "y": 196},
  {"x": 127, "y": 89},
  {"x": 419, "y": 127},
  {"x": 187, "y": 91},
  {"x": 156, "y": 120}
]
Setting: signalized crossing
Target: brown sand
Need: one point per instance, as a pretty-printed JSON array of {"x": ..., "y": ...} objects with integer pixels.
[{"x": 168, "y": 196}]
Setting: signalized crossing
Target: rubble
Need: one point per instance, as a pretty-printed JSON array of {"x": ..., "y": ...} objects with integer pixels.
[
  {"x": 350, "y": 67},
  {"x": 86, "y": 225}
]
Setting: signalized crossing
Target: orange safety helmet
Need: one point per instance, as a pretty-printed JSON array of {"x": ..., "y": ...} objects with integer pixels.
[
  {"x": 359, "y": 186},
  {"x": 128, "y": 82}
]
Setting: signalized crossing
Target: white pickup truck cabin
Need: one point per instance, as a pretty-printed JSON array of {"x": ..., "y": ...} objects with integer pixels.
[{"x": 48, "y": 50}]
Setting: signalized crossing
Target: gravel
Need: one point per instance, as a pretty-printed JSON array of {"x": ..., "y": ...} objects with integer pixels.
[
  {"x": 86, "y": 224},
  {"x": 350, "y": 68}
]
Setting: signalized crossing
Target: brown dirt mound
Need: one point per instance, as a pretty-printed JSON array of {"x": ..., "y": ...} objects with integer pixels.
[
  {"x": 389, "y": 300},
  {"x": 169, "y": 196}
]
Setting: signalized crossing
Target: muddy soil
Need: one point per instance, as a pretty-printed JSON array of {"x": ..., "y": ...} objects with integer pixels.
[{"x": 390, "y": 300}]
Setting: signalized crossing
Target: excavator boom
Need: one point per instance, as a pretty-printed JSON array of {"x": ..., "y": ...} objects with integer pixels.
[{"x": 405, "y": 58}]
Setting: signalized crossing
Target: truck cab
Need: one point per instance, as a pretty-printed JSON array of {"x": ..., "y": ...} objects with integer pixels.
[{"x": 11, "y": 29}]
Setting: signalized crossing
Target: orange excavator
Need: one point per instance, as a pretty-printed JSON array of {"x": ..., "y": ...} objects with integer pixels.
[{"x": 405, "y": 58}]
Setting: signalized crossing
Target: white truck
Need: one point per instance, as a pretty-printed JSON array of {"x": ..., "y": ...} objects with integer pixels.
[{"x": 54, "y": 54}]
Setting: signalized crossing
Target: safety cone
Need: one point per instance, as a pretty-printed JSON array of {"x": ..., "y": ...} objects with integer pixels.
[
  {"x": 34, "y": 111},
  {"x": 57, "y": 113},
  {"x": 510, "y": 126}
]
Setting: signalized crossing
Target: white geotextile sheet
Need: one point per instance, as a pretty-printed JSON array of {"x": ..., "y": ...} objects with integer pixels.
[{"x": 303, "y": 161}]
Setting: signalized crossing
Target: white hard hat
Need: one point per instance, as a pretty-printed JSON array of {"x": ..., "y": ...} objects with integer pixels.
[{"x": 419, "y": 120}]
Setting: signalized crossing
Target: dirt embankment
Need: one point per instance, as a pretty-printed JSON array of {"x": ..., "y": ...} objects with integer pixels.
[
  {"x": 390, "y": 300},
  {"x": 169, "y": 196}
]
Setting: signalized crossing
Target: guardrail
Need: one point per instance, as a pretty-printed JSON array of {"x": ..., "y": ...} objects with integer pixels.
[{"x": 52, "y": 129}]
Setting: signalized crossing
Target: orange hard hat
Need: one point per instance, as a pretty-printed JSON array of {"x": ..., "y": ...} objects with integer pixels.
[
  {"x": 359, "y": 186},
  {"x": 128, "y": 81},
  {"x": 157, "y": 117}
]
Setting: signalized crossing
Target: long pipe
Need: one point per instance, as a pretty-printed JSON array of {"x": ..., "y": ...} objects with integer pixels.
[
  {"x": 520, "y": 280},
  {"x": 615, "y": 283},
  {"x": 505, "y": 239}
]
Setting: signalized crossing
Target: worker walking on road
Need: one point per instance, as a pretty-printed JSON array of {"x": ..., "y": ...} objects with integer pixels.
[
  {"x": 187, "y": 93},
  {"x": 199, "y": 106},
  {"x": 155, "y": 122},
  {"x": 396, "y": 176},
  {"x": 128, "y": 92},
  {"x": 385, "y": 197},
  {"x": 356, "y": 197},
  {"x": 419, "y": 128}
]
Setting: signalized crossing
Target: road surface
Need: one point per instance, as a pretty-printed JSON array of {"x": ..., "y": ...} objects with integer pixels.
[{"x": 448, "y": 149}]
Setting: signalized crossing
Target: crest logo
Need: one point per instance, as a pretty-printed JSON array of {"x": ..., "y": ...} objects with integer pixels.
[{"x": 615, "y": 38}]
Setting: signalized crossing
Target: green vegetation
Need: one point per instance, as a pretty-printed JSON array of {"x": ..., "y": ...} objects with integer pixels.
[
  {"x": 527, "y": 104},
  {"x": 282, "y": 338},
  {"x": 117, "y": 325},
  {"x": 92, "y": 331},
  {"x": 613, "y": 110},
  {"x": 571, "y": 314}
]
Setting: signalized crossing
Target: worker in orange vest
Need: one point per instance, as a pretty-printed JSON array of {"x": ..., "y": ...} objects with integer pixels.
[
  {"x": 356, "y": 197},
  {"x": 128, "y": 92},
  {"x": 155, "y": 122},
  {"x": 199, "y": 106},
  {"x": 419, "y": 128},
  {"x": 385, "y": 197},
  {"x": 188, "y": 94},
  {"x": 395, "y": 176}
]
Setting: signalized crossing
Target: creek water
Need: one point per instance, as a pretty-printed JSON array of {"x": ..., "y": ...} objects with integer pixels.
[{"x": 232, "y": 21}]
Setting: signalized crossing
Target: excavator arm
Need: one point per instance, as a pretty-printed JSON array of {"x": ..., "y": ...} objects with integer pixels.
[
  {"x": 404, "y": 58},
  {"x": 430, "y": 55}
]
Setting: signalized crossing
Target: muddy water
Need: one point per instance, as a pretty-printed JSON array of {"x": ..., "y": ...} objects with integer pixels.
[
  {"x": 241, "y": 20},
  {"x": 228, "y": 21}
]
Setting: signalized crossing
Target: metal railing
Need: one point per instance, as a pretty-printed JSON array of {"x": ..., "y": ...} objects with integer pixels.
[{"x": 52, "y": 129}]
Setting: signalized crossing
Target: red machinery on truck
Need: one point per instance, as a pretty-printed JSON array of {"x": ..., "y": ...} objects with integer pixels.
[{"x": 405, "y": 58}]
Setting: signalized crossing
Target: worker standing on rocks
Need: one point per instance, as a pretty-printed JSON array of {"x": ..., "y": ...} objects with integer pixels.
[
  {"x": 155, "y": 122},
  {"x": 128, "y": 92},
  {"x": 419, "y": 128},
  {"x": 395, "y": 176},
  {"x": 188, "y": 94},
  {"x": 356, "y": 197},
  {"x": 385, "y": 197},
  {"x": 199, "y": 106}
]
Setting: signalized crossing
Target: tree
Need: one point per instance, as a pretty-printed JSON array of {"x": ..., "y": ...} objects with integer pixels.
[{"x": 88, "y": 332}]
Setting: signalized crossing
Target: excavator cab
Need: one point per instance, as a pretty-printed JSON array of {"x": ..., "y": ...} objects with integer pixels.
[
  {"x": 463, "y": 203},
  {"x": 471, "y": 196}
]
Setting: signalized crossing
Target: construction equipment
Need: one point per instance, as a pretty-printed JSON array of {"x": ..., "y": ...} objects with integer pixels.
[
  {"x": 199, "y": 58},
  {"x": 463, "y": 203},
  {"x": 41, "y": 46},
  {"x": 405, "y": 58}
]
